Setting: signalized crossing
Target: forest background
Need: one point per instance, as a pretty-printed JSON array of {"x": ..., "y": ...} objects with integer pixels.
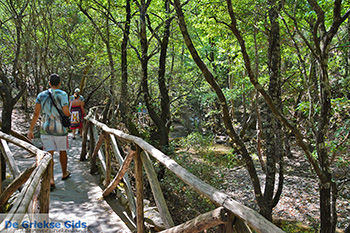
[{"x": 263, "y": 77}]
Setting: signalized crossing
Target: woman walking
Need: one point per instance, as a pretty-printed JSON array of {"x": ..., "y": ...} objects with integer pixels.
[{"x": 77, "y": 112}]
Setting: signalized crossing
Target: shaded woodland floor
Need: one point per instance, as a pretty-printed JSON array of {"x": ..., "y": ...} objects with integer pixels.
[{"x": 299, "y": 201}]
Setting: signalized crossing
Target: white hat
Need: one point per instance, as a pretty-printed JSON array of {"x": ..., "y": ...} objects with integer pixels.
[{"x": 77, "y": 90}]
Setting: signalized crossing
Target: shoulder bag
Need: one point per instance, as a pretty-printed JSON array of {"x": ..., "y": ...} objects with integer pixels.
[{"x": 65, "y": 120}]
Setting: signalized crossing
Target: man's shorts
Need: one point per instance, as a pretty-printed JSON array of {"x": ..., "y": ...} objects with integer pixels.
[{"x": 54, "y": 143}]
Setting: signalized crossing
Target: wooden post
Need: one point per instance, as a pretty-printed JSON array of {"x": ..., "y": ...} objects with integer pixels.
[
  {"x": 93, "y": 167},
  {"x": 0, "y": 174},
  {"x": 108, "y": 159},
  {"x": 228, "y": 226},
  {"x": 84, "y": 142},
  {"x": 139, "y": 191},
  {"x": 157, "y": 191},
  {"x": 92, "y": 140},
  {"x": 44, "y": 196}
]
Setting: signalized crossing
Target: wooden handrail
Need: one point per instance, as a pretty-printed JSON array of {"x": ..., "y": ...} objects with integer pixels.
[
  {"x": 21, "y": 204},
  {"x": 245, "y": 214}
]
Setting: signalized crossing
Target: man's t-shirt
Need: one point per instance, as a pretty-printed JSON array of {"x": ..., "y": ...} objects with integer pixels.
[{"x": 51, "y": 122}]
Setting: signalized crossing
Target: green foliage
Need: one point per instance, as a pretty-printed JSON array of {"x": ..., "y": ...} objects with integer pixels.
[
  {"x": 222, "y": 160},
  {"x": 196, "y": 141},
  {"x": 295, "y": 227}
]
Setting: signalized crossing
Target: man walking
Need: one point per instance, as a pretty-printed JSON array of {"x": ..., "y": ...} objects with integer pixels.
[{"x": 52, "y": 133}]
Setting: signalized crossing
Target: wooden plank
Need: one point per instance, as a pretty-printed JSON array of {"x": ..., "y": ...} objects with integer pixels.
[
  {"x": 252, "y": 218},
  {"x": 129, "y": 193},
  {"x": 201, "y": 223},
  {"x": 9, "y": 158},
  {"x": 139, "y": 192},
  {"x": 121, "y": 172},
  {"x": 15, "y": 184},
  {"x": 157, "y": 191},
  {"x": 84, "y": 142}
]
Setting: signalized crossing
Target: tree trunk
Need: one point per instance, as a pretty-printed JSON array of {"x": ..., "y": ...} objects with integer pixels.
[
  {"x": 240, "y": 146},
  {"x": 272, "y": 127},
  {"x": 164, "y": 93},
  {"x": 327, "y": 224},
  {"x": 124, "y": 93}
]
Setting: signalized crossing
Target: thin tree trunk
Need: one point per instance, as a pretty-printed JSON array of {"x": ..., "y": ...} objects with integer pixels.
[
  {"x": 223, "y": 103},
  {"x": 124, "y": 92}
]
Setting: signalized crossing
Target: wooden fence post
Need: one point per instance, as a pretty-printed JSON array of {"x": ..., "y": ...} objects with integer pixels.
[
  {"x": 84, "y": 142},
  {"x": 44, "y": 196},
  {"x": 0, "y": 173},
  {"x": 228, "y": 226},
  {"x": 139, "y": 191},
  {"x": 93, "y": 167},
  {"x": 156, "y": 190},
  {"x": 108, "y": 159},
  {"x": 92, "y": 140}
]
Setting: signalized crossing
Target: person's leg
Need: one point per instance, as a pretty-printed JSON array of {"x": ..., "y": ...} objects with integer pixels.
[
  {"x": 64, "y": 161},
  {"x": 73, "y": 131},
  {"x": 49, "y": 146},
  {"x": 62, "y": 147},
  {"x": 52, "y": 179}
]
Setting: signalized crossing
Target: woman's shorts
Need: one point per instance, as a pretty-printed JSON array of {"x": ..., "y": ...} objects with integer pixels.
[{"x": 54, "y": 143}]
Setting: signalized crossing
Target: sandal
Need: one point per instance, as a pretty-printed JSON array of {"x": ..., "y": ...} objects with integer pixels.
[{"x": 67, "y": 176}]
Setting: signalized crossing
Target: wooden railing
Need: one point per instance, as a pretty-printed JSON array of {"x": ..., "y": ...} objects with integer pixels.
[
  {"x": 37, "y": 175},
  {"x": 230, "y": 216}
]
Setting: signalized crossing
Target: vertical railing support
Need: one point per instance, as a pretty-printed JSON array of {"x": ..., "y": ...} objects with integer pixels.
[
  {"x": 108, "y": 159},
  {"x": 92, "y": 140},
  {"x": 93, "y": 167},
  {"x": 156, "y": 190},
  {"x": 84, "y": 142},
  {"x": 139, "y": 191},
  {"x": 0, "y": 174},
  {"x": 228, "y": 227},
  {"x": 44, "y": 195}
]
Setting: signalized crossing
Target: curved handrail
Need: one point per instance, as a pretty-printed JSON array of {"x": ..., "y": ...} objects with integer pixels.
[
  {"x": 41, "y": 172},
  {"x": 251, "y": 217}
]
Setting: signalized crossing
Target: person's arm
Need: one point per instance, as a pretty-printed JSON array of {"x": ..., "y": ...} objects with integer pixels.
[
  {"x": 34, "y": 120},
  {"x": 82, "y": 107},
  {"x": 65, "y": 110},
  {"x": 65, "y": 104}
]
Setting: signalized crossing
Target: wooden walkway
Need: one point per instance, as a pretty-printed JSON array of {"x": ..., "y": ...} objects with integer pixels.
[{"x": 79, "y": 197}]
